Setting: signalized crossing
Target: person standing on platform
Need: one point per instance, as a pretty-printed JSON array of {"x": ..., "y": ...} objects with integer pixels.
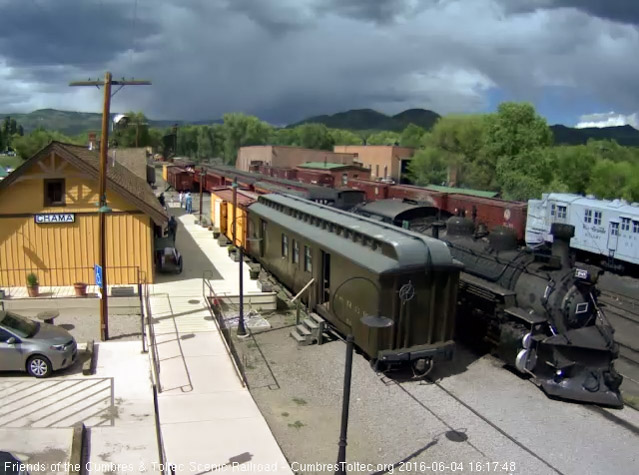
[
  {"x": 181, "y": 199},
  {"x": 189, "y": 202}
]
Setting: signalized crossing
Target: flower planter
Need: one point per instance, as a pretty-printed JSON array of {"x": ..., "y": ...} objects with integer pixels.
[
  {"x": 254, "y": 274},
  {"x": 216, "y": 234},
  {"x": 80, "y": 289},
  {"x": 34, "y": 290}
]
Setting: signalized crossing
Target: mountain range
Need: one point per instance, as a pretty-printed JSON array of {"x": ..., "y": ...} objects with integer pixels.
[{"x": 74, "y": 123}]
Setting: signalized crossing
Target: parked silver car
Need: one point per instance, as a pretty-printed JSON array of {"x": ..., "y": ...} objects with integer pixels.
[{"x": 38, "y": 348}]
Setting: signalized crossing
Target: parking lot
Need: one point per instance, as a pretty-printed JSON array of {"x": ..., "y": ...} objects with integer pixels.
[{"x": 115, "y": 404}]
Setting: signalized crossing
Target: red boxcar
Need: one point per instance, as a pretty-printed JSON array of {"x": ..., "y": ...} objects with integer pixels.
[
  {"x": 374, "y": 190},
  {"x": 419, "y": 194},
  {"x": 491, "y": 212},
  {"x": 180, "y": 179},
  {"x": 315, "y": 177}
]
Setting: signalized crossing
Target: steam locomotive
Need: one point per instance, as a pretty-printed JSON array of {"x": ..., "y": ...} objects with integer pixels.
[{"x": 536, "y": 311}]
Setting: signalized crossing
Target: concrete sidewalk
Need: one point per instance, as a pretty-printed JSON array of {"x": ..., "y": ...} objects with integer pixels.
[{"x": 208, "y": 418}]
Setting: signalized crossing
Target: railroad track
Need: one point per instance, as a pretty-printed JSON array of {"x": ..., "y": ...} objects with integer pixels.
[
  {"x": 622, "y": 311},
  {"x": 622, "y": 305}
]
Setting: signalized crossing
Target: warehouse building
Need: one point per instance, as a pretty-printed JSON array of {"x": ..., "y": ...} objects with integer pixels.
[
  {"x": 49, "y": 220},
  {"x": 280, "y": 156},
  {"x": 386, "y": 162}
]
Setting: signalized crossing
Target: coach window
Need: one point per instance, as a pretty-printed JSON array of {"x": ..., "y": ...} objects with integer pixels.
[
  {"x": 635, "y": 226},
  {"x": 561, "y": 212},
  {"x": 54, "y": 192},
  {"x": 625, "y": 224},
  {"x": 588, "y": 216},
  {"x": 296, "y": 251},
  {"x": 552, "y": 209},
  {"x": 308, "y": 259},
  {"x": 598, "y": 218},
  {"x": 614, "y": 229},
  {"x": 284, "y": 245}
]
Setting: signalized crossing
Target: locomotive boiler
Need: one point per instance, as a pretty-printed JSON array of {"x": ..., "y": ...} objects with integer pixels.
[{"x": 536, "y": 311}]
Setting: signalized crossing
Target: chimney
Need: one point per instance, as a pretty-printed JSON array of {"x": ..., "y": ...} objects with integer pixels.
[
  {"x": 92, "y": 142},
  {"x": 561, "y": 235}
]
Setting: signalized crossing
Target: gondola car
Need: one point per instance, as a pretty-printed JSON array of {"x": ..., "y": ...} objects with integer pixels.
[{"x": 360, "y": 267}]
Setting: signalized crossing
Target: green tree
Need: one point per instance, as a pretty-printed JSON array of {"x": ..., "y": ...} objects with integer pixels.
[
  {"x": 243, "y": 130},
  {"x": 315, "y": 136},
  {"x": 610, "y": 179},
  {"x": 460, "y": 141},
  {"x": 512, "y": 138},
  {"x": 428, "y": 166},
  {"x": 27, "y": 145},
  {"x": 284, "y": 137},
  {"x": 345, "y": 137},
  {"x": 385, "y": 137},
  {"x": 574, "y": 165},
  {"x": 204, "y": 142},
  {"x": 412, "y": 136},
  {"x": 13, "y": 127},
  {"x": 135, "y": 133}
]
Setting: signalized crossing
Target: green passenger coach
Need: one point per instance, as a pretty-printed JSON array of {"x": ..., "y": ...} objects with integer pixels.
[{"x": 357, "y": 267}]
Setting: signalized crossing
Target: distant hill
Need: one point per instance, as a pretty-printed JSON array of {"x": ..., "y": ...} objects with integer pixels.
[
  {"x": 75, "y": 123},
  {"x": 623, "y": 135},
  {"x": 368, "y": 119}
]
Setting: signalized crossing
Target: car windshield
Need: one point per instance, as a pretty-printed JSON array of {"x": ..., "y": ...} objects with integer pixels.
[{"x": 23, "y": 327}]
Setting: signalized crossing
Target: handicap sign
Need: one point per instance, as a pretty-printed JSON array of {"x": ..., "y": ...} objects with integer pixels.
[{"x": 98, "y": 275}]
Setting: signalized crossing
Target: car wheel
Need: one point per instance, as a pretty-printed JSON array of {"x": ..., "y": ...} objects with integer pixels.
[{"x": 39, "y": 366}]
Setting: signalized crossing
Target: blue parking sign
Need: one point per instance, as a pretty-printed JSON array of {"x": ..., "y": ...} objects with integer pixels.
[{"x": 98, "y": 275}]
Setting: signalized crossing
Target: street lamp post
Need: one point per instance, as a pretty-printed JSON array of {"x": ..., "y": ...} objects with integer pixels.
[
  {"x": 241, "y": 328},
  {"x": 369, "y": 321}
]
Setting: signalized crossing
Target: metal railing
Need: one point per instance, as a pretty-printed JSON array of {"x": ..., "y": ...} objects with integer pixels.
[
  {"x": 152, "y": 343},
  {"x": 213, "y": 302}
]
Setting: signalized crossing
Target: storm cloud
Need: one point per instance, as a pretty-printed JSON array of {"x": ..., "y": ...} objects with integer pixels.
[{"x": 285, "y": 60}]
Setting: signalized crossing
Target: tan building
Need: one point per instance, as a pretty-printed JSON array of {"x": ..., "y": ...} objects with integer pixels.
[
  {"x": 280, "y": 156},
  {"x": 384, "y": 161},
  {"x": 49, "y": 220}
]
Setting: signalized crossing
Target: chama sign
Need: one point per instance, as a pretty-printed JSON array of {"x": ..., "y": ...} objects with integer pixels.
[{"x": 53, "y": 218}]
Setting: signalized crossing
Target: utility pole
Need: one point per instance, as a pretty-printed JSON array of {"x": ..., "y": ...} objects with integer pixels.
[
  {"x": 103, "y": 207},
  {"x": 201, "y": 185}
]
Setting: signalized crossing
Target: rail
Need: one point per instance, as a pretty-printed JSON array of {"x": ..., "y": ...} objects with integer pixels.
[{"x": 212, "y": 302}]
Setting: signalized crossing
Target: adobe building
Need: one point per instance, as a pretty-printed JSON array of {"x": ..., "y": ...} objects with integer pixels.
[
  {"x": 49, "y": 221},
  {"x": 384, "y": 161},
  {"x": 281, "y": 156}
]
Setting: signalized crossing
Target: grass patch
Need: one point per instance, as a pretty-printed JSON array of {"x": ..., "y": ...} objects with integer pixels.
[
  {"x": 632, "y": 401},
  {"x": 296, "y": 425},
  {"x": 299, "y": 401},
  {"x": 285, "y": 414}
]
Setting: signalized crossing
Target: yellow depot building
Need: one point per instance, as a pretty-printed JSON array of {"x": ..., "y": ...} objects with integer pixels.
[{"x": 49, "y": 220}]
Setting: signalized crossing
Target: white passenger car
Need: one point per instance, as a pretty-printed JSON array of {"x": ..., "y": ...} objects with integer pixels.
[{"x": 606, "y": 230}]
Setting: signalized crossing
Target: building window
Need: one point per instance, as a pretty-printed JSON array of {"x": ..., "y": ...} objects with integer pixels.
[
  {"x": 625, "y": 224},
  {"x": 376, "y": 170},
  {"x": 614, "y": 229},
  {"x": 54, "y": 192},
  {"x": 308, "y": 259},
  {"x": 598, "y": 218},
  {"x": 588, "y": 216},
  {"x": 635, "y": 226},
  {"x": 296, "y": 251},
  {"x": 284, "y": 245},
  {"x": 344, "y": 178}
]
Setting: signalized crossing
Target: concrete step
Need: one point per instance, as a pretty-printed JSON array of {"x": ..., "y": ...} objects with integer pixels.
[
  {"x": 302, "y": 330},
  {"x": 317, "y": 318},
  {"x": 310, "y": 323},
  {"x": 299, "y": 338}
]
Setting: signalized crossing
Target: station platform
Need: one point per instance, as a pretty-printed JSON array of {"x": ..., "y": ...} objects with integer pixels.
[{"x": 208, "y": 418}]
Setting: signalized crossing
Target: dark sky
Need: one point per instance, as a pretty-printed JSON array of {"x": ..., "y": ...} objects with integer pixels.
[{"x": 285, "y": 60}]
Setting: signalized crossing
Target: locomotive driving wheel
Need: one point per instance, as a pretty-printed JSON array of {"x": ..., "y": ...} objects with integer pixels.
[{"x": 422, "y": 366}]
